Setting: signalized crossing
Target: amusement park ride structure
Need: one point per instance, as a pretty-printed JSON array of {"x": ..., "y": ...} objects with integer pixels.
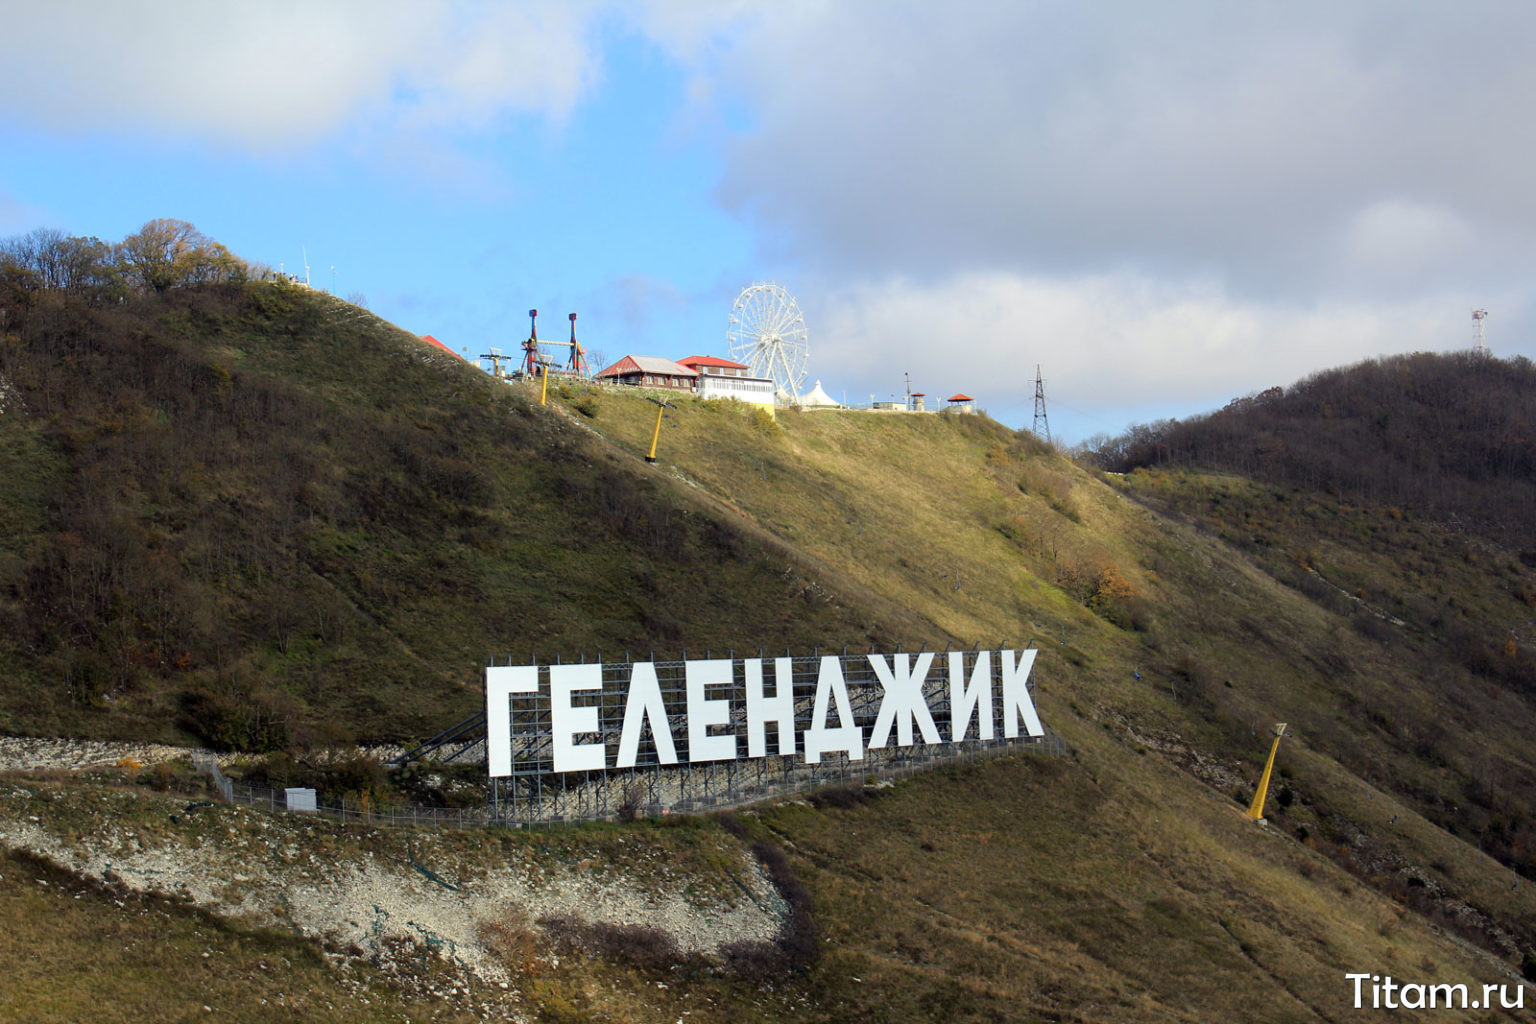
[
  {"x": 536, "y": 361},
  {"x": 767, "y": 332}
]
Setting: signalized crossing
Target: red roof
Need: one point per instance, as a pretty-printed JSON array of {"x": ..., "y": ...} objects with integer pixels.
[
  {"x": 646, "y": 364},
  {"x": 961, "y": 398},
  {"x": 433, "y": 341},
  {"x": 697, "y": 361}
]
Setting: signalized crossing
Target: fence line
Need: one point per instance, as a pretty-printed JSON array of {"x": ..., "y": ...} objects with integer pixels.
[{"x": 568, "y": 805}]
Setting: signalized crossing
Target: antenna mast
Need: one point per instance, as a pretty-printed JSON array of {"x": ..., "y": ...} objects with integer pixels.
[
  {"x": 1042, "y": 422},
  {"x": 1479, "y": 345}
]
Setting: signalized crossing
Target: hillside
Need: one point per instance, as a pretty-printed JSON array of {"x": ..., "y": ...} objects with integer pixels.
[
  {"x": 253, "y": 516},
  {"x": 1397, "y": 495},
  {"x": 249, "y": 496}
]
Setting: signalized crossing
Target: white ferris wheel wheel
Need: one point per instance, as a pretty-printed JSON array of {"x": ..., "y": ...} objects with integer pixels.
[{"x": 768, "y": 333}]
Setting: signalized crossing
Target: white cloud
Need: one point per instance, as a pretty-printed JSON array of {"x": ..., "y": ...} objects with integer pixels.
[
  {"x": 1115, "y": 346},
  {"x": 278, "y": 74},
  {"x": 1398, "y": 240}
]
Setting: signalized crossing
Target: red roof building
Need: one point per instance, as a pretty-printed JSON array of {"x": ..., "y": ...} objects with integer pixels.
[
  {"x": 649, "y": 372},
  {"x": 433, "y": 341},
  {"x": 961, "y": 403},
  {"x": 715, "y": 366}
]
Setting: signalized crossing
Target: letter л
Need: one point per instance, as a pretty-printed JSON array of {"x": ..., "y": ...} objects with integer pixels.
[{"x": 644, "y": 702}]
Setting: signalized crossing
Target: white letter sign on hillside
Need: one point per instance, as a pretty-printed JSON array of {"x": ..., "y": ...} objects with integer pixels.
[
  {"x": 703, "y": 712},
  {"x": 845, "y": 736},
  {"x": 500, "y": 684},
  {"x": 903, "y": 701},
  {"x": 778, "y": 709},
  {"x": 565, "y": 719},
  {"x": 589, "y": 717},
  {"x": 645, "y": 703}
]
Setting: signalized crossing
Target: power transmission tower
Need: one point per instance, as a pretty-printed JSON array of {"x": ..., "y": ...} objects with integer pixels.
[
  {"x": 1479, "y": 345},
  {"x": 1042, "y": 422}
]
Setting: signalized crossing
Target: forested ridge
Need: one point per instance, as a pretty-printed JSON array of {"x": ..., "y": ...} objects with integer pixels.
[{"x": 1449, "y": 435}]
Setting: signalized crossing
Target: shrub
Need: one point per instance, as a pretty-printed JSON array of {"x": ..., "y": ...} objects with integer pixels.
[
  {"x": 841, "y": 797},
  {"x": 754, "y": 960},
  {"x": 234, "y": 715},
  {"x": 637, "y": 944},
  {"x": 799, "y": 940},
  {"x": 512, "y": 942}
]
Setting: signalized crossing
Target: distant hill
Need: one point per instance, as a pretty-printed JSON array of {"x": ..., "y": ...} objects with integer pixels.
[{"x": 1449, "y": 435}]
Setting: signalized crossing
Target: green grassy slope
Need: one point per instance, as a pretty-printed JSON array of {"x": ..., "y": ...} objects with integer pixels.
[
  {"x": 1112, "y": 591},
  {"x": 339, "y": 528},
  {"x": 1412, "y": 535}
]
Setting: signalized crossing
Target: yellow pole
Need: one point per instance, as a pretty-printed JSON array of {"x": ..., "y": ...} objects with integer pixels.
[
  {"x": 656, "y": 434},
  {"x": 544, "y": 390},
  {"x": 1256, "y": 811}
]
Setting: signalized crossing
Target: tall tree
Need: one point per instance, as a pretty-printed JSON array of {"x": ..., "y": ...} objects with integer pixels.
[{"x": 165, "y": 254}]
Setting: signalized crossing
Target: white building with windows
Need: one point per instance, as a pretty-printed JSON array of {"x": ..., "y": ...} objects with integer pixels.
[{"x": 722, "y": 378}]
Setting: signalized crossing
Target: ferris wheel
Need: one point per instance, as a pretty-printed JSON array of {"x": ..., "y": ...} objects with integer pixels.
[{"x": 767, "y": 333}]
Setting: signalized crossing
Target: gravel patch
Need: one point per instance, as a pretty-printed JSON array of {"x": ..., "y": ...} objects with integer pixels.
[
  {"x": 21, "y": 753},
  {"x": 282, "y": 871}
]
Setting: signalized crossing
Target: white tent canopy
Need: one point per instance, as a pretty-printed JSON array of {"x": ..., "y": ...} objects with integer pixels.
[{"x": 817, "y": 398}]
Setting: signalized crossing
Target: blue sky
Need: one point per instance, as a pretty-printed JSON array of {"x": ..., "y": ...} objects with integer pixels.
[{"x": 1164, "y": 206}]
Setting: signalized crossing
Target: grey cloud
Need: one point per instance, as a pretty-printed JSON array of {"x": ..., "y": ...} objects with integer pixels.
[{"x": 1243, "y": 141}]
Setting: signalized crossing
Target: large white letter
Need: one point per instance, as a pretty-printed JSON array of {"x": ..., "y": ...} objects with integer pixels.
[
  {"x": 565, "y": 720},
  {"x": 903, "y": 700},
  {"x": 644, "y": 703},
  {"x": 779, "y": 709},
  {"x": 1016, "y": 700},
  {"x": 703, "y": 712},
  {"x": 977, "y": 697},
  {"x": 846, "y": 736},
  {"x": 501, "y": 682}
]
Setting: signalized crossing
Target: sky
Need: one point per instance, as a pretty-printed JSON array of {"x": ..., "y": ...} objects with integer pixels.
[{"x": 1161, "y": 206}]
